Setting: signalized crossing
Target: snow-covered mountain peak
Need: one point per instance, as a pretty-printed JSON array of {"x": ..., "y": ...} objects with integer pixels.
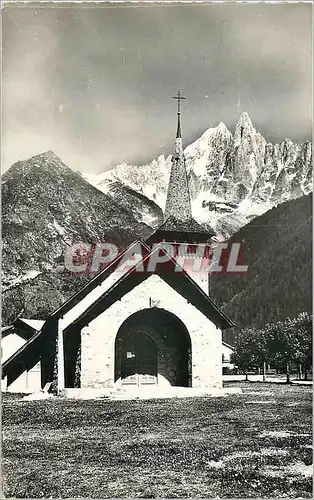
[
  {"x": 207, "y": 138},
  {"x": 222, "y": 128},
  {"x": 208, "y": 148},
  {"x": 245, "y": 121},
  {"x": 232, "y": 177},
  {"x": 244, "y": 129}
]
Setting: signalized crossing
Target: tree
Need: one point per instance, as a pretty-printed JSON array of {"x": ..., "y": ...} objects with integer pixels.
[
  {"x": 280, "y": 344},
  {"x": 302, "y": 338},
  {"x": 290, "y": 342},
  {"x": 284, "y": 343},
  {"x": 251, "y": 350}
]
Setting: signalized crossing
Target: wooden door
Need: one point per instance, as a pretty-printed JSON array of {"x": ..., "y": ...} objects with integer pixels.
[
  {"x": 139, "y": 360},
  {"x": 147, "y": 360}
]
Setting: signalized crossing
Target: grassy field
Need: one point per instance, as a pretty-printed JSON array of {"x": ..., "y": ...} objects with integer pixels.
[{"x": 257, "y": 444}]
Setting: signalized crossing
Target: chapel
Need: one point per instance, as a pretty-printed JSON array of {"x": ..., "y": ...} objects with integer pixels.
[{"x": 156, "y": 329}]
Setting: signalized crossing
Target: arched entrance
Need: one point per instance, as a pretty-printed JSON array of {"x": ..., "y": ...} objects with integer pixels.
[{"x": 153, "y": 347}]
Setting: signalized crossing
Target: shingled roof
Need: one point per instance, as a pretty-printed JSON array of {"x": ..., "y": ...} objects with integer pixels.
[
  {"x": 179, "y": 280},
  {"x": 173, "y": 224}
]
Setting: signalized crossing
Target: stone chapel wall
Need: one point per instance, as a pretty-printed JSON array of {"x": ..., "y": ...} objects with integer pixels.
[{"x": 98, "y": 338}]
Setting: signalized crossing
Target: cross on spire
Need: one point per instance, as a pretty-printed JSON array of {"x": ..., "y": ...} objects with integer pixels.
[{"x": 179, "y": 97}]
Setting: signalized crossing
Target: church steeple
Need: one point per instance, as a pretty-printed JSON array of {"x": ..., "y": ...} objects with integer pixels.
[
  {"x": 178, "y": 226},
  {"x": 178, "y": 203}
]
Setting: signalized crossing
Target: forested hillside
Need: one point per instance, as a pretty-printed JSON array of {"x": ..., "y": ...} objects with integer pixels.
[{"x": 277, "y": 247}]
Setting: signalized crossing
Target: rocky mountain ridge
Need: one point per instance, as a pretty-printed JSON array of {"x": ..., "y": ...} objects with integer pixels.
[
  {"x": 46, "y": 207},
  {"x": 232, "y": 177}
]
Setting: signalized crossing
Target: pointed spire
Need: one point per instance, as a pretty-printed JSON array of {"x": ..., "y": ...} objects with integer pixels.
[
  {"x": 178, "y": 203},
  {"x": 178, "y": 136}
]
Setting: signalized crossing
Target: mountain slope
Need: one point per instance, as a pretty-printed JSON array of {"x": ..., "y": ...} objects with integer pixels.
[
  {"x": 277, "y": 247},
  {"x": 232, "y": 177},
  {"x": 46, "y": 207},
  {"x": 142, "y": 208}
]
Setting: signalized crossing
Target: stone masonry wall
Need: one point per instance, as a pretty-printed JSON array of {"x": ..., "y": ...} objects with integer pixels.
[{"x": 98, "y": 338}]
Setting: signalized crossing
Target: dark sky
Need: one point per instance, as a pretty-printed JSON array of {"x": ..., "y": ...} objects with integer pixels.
[{"x": 94, "y": 84}]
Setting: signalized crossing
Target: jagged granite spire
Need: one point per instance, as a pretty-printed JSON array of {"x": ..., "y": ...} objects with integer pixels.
[{"x": 178, "y": 203}]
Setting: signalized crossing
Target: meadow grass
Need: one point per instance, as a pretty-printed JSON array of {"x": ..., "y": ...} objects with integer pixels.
[{"x": 256, "y": 444}]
